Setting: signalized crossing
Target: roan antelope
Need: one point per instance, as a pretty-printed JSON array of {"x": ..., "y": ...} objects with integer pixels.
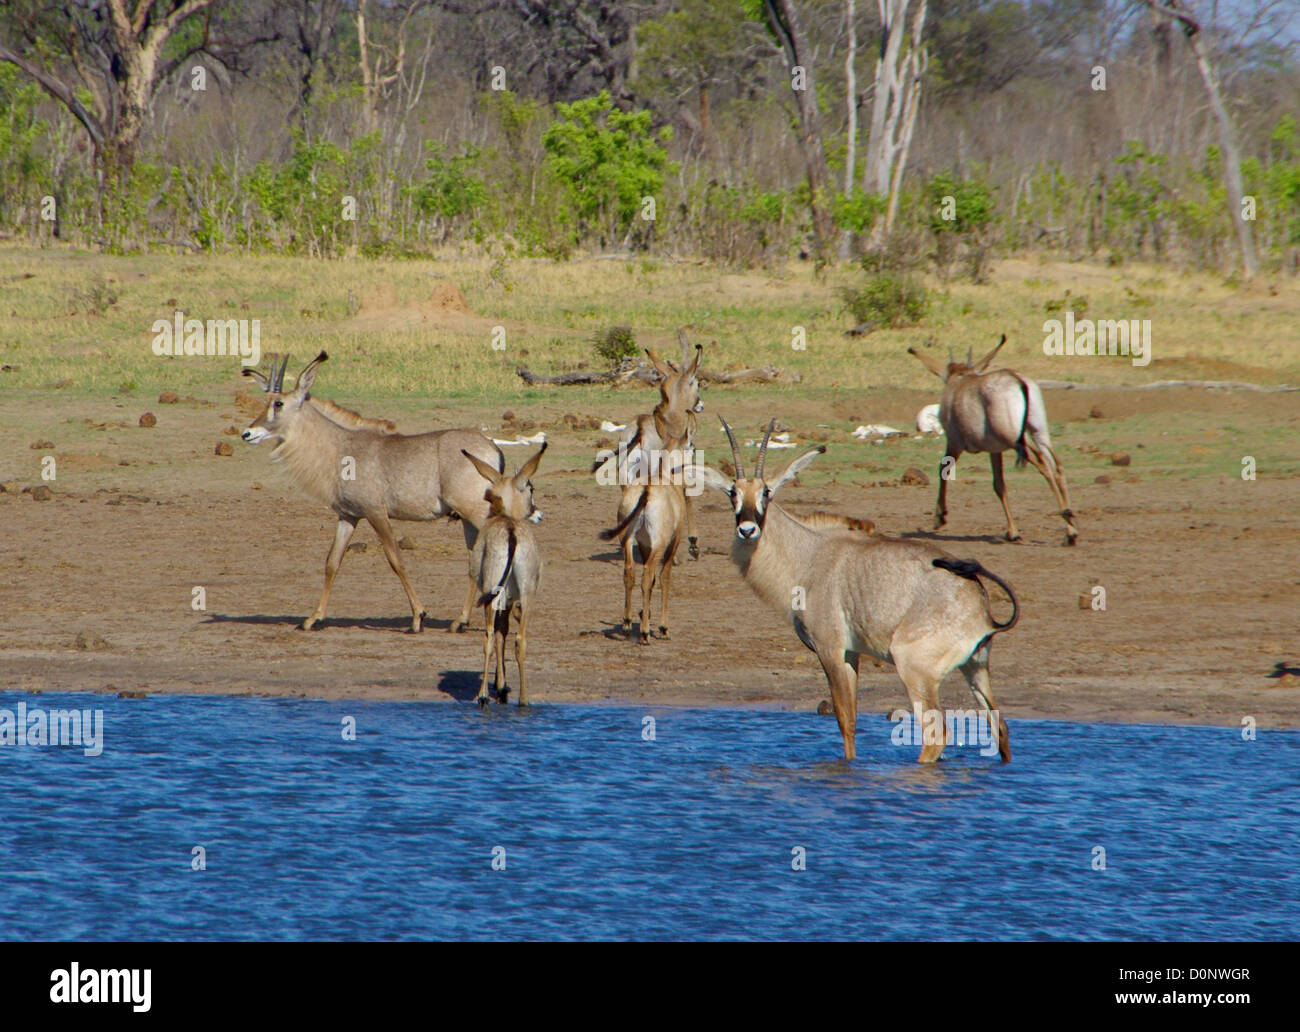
[
  {"x": 849, "y": 594},
  {"x": 995, "y": 412},
  {"x": 652, "y": 516},
  {"x": 363, "y": 470},
  {"x": 672, "y": 423},
  {"x": 505, "y": 565}
]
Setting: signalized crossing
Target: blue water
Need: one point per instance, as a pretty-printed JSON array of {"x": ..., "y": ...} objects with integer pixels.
[{"x": 391, "y": 836}]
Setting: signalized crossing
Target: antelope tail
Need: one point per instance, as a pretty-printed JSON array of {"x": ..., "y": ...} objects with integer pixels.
[
  {"x": 511, "y": 544},
  {"x": 1021, "y": 456},
  {"x": 629, "y": 519},
  {"x": 972, "y": 570}
]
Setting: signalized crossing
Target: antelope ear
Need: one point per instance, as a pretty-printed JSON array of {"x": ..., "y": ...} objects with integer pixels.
[
  {"x": 308, "y": 376},
  {"x": 983, "y": 363},
  {"x": 663, "y": 368},
  {"x": 694, "y": 369},
  {"x": 931, "y": 363},
  {"x": 529, "y": 467},
  {"x": 710, "y": 477},
  {"x": 484, "y": 470},
  {"x": 260, "y": 376},
  {"x": 795, "y": 468}
]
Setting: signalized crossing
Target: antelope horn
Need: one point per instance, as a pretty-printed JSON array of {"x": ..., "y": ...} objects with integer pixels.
[
  {"x": 762, "y": 450},
  {"x": 735, "y": 450}
]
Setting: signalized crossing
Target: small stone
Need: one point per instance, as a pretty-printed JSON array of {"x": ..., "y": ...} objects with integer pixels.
[
  {"x": 148, "y": 420},
  {"x": 1120, "y": 459},
  {"x": 168, "y": 398},
  {"x": 406, "y": 544},
  {"x": 1096, "y": 413},
  {"x": 224, "y": 448},
  {"x": 87, "y": 642},
  {"x": 915, "y": 477},
  {"x": 825, "y": 709},
  {"x": 507, "y": 416},
  {"x": 1085, "y": 600},
  {"x": 357, "y": 546},
  {"x": 230, "y": 431},
  {"x": 1103, "y": 479},
  {"x": 42, "y": 445},
  {"x": 41, "y": 493},
  {"x": 11, "y": 487}
]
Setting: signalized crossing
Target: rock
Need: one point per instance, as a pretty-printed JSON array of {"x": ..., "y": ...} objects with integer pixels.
[
  {"x": 825, "y": 709},
  {"x": 87, "y": 642},
  {"x": 148, "y": 420},
  {"x": 1120, "y": 458},
  {"x": 168, "y": 398},
  {"x": 230, "y": 431},
  {"x": 41, "y": 493},
  {"x": 128, "y": 693},
  {"x": 357, "y": 546},
  {"x": 1103, "y": 479},
  {"x": 407, "y": 544},
  {"x": 224, "y": 448},
  {"x": 11, "y": 487},
  {"x": 915, "y": 478},
  {"x": 507, "y": 416},
  {"x": 42, "y": 446},
  {"x": 1085, "y": 600},
  {"x": 1096, "y": 413}
]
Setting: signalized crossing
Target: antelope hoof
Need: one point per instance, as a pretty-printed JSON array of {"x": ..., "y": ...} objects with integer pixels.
[
  {"x": 663, "y": 632},
  {"x": 694, "y": 548},
  {"x": 643, "y": 638},
  {"x": 483, "y": 702},
  {"x": 940, "y": 521},
  {"x": 503, "y": 695},
  {"x": 310, "y": 623},
  {"x": 1072, "y": 538},
  {"x": 417, "y": 622},
  {"x": 1013, "y": 537},
  {"x": 457, "y": 626}
]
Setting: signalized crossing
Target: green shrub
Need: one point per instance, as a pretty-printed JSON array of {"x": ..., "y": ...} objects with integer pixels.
[
  {"x": 615, "y": 344},
  {"x": 888, "y": 299}
]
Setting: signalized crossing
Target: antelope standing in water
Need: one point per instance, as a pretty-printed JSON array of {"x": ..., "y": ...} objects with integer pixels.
[
  {"x": 850, "y": 594},
  {"x": 363, "y": 470},
  {"x": 505, "y": 565},
  {"x": 995, "y": 412}
]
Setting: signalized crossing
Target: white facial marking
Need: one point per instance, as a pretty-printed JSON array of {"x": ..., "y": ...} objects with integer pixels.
[{"x": 255, "y": 434}]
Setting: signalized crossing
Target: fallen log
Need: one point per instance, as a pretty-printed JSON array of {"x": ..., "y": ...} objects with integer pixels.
[{"x": 643, "y": 372}]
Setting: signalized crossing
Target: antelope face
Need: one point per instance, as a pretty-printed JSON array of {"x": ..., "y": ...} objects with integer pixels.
[
  {"x": 282, "y": 409},
  {"x": 682, "y": 391},
  {"x": 749, "y": 498},
  {"x": 276, "y": 418}
]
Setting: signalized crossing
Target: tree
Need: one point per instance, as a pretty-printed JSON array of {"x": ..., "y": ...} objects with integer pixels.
[
  {"x": 782, "y": 18},
  {"x": 105, "y": 59},
  {"x": 1200, "y": 49},
  {"x": 902, "y": 62}
]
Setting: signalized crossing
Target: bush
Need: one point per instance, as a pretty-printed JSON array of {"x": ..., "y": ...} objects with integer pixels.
[
  {"x": 889, "y": 299},
  {"x": 615, "y": 344}
]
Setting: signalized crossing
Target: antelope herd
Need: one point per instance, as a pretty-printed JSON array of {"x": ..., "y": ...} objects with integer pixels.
[{"x": 847, "y": 589}]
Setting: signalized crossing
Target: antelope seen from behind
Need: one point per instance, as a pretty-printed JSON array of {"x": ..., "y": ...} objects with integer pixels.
[
  {"x": 505, "y": 565},
  {"x": 994, "y": 413},
  {"x": 363, "y": 470},
  {"x": 850, "y": 594},
  {"x": 670, "y": 427}
]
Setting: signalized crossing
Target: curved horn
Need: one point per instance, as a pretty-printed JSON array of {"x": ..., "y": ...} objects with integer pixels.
[
  {"x": 735, "y": 450},
  {"x": 762, "y": 450}
]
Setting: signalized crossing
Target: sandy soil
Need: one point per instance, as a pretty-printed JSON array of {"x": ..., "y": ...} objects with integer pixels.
[{"x": 1203, "y": 588}]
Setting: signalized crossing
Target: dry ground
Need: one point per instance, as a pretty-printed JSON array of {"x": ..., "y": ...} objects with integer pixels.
[{"x": 1200, "y": 567}]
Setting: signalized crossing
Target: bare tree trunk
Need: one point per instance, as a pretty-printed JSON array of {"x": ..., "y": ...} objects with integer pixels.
[
  {"x": 783, "y": 19},
  {"x": 851, "y": 101},
  {"x": 1227, "y": 137},
  {"x": 894, "y": 105}
]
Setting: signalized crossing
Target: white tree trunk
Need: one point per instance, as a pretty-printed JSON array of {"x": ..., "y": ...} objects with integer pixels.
[
  {"x": 851, "y": 101},
  {"x": 897, "y": 96}
]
